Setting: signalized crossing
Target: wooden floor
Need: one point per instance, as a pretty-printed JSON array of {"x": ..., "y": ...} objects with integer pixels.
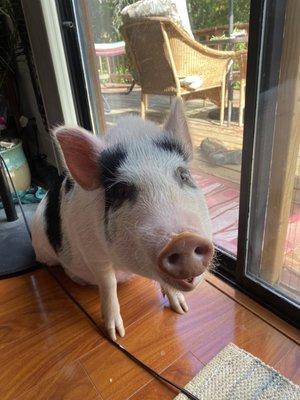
[{"x": 50, "y": 351}]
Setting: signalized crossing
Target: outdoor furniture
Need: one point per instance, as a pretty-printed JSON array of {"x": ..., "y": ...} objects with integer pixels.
[
  {"x": 205, "y": 35},
  {"x": 222, "y": 43},
  {"x": 241, "y": 58},
  {"x": 163, "y": 54},
  {"x": 111, "y": 57},
  {"x": 224, "y": 38}
]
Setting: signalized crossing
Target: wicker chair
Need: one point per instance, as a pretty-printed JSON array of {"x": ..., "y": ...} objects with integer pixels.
[
  {"x": 162, "y": 53},
  {"x": 241, "y": 58}
]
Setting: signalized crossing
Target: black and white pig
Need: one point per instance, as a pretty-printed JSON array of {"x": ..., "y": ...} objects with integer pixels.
[{"x": 127, "y": 203}]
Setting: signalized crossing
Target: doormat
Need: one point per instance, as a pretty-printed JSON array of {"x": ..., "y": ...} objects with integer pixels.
[{"x": 235, "y": 374}]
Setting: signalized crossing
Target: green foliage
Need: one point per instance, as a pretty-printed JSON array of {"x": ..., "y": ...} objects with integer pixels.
[
  {"x": 9, "y": 39},
  {"x": 106, "y": 15},
  {"x": 106, "y": 19},
  {"x": 210, "y": 13}
]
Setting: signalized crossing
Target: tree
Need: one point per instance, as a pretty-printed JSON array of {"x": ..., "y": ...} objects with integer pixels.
[
  {"x": 210, "y": 13},
  {"x": 106, "y": 19},
  {"x": 106, "y": 15}
]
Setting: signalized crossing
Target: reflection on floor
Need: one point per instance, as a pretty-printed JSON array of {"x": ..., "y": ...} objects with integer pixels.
[{"x": 221, "y": 184}]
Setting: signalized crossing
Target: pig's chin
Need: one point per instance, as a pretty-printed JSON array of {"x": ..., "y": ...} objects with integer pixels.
[{"x": 184, "y": 285}]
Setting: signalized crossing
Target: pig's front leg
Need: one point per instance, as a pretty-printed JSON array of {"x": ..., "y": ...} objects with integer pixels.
[
  {"x": 110, "y": 307},
  {"x": 176, "y": 299}
]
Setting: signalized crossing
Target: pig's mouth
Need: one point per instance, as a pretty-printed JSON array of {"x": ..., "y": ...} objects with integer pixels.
[{"x": 185, "y": 285}]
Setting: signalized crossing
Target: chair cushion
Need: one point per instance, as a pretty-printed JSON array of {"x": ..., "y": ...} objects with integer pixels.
[
  {"x": 156, "y": 8},
  {"x": 192, "y": 82}
]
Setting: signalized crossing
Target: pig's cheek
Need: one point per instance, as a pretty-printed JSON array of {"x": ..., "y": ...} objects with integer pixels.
[
  {"x": 111, "y": 228},
  {"x": 151, "y": 240},
  {"x": 134, "y": 253},
  {"x": 122, "y": 244},
  {"x": 117, "y": 222}
]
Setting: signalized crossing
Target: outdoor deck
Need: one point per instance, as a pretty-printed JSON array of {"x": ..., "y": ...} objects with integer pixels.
[{"x": 204, "y": 122}]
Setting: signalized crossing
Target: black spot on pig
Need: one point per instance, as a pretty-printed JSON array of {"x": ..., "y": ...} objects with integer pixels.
[
  {"x": 120, "y": 193},
  {"x": 116, "y": 191},
  {"x": 110, "y": 162},
  {"x": 52, "y": 215},
  {"x": 169, "y": 144}
]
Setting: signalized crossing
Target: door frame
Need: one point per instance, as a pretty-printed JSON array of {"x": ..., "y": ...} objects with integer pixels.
[
  {"x": 263, "y": 27},
  {"x": 266, "y": 24}
]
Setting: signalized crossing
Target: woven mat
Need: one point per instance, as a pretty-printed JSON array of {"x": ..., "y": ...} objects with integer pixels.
[{"x": 235, "y": 374}]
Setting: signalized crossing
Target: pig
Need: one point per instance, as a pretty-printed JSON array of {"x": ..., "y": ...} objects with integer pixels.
[{"x": 127, "y": 204}]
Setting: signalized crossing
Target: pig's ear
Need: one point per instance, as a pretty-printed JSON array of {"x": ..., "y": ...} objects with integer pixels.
[
  {"x": 177, "y": 125},
  {"x": 81, "y": 152}
]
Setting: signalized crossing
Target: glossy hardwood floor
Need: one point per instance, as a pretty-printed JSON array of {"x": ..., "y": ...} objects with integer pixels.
[{"x": 48, "y": 350}]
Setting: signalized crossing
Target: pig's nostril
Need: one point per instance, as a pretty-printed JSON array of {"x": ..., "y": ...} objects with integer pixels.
[
  {"x": 186, "y": 256},
  {"x": 173, "y": 258},
  {"x": 199, "y": 250}
]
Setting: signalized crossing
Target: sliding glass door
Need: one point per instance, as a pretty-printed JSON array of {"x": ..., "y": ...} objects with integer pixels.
[
  {"x": 269, "y": 231},
  {"x": 127, "y": 61}
]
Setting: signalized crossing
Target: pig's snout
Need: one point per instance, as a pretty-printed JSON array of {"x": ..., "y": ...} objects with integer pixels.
[{"x": 186, "y": 256}]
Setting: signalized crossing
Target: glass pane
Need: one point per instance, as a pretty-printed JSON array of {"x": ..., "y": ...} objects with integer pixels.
[
  {"x": 143, "y": 63},
  {"x": 274, "y": 241}
]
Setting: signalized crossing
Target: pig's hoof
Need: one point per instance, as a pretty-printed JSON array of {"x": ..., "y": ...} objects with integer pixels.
[
  {"x": 177, "y": 302},
  {"x": 114, "y": 326}
]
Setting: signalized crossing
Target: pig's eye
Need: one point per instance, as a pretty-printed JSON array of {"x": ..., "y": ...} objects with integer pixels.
[{"x": 185, "y": 177}]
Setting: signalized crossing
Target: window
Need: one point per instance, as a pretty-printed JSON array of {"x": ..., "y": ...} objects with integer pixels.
[{"x": 269, "y": 219}]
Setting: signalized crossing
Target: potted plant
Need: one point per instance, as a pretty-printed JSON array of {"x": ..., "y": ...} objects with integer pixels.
[{"x": 10, "y": 133}]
